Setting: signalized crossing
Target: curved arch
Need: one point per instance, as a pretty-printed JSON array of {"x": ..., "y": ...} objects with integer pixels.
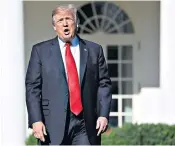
[
  {"x": 103, "y": 16},
  {"x": 90, "y": 19}
]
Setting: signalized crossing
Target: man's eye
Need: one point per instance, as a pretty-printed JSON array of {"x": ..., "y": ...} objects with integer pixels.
[
  {"x": 69, "y": 19},
  {"x": 60, "y": 20}
]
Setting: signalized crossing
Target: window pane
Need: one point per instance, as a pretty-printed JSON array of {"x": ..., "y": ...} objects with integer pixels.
[
  {"x": 113, "y": 121},
  {"x": 99, "y": 7},
  {"x": 127, "y": 28},
  {"x": 112, "y": 52},
  {"x": 114, "y": 105},
  {"x": 105, "y": 24},
  {"x": 88, "y": 27},
  {"x": 115, "y": 87},
  {"x": 86, "y": 32},
  {"x": 109, "y": 27},
  {"x": 81, "y": 18},
  {"x": 121, "y": 17},
  {"x": 127, "y": 87},
  {"x": 126, "y": 70},
  {"x": 126, "y": 119},
  {"x": 126, "y": 105},
  {"x": 114, "y": 31},
  {"x": 93, "y": 23},
  {"x": 87, "y": 9},
  {"x": 113, "y": 70},
  {"x": 112, "y": 9},
  {"x": 100, "y": 20},
  {"x": 127, "y": 53}
]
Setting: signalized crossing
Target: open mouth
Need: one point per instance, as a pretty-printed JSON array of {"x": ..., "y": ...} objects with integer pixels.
[{"x": 66, "y": 31}]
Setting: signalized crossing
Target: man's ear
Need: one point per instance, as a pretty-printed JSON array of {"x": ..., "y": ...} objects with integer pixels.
[{"x": 54, "y": 27}]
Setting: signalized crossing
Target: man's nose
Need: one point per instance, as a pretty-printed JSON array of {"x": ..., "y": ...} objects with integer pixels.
[{"x": 65, "y": 22}]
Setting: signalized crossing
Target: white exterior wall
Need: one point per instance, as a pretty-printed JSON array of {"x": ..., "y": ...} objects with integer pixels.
[
  {"x": 163, "y": 102},
  {"x": 12, "y": 91},
  {"x": 145, "y": 18},
  {"x": 167, "y": 71}
]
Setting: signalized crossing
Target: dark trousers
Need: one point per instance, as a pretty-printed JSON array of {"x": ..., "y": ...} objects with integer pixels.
[{"x": 75, "y": 131}]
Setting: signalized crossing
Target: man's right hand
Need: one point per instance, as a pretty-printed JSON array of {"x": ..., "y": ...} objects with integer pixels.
[{"x": 39, "y": 130}]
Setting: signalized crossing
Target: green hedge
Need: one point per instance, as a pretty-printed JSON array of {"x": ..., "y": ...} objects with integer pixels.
[
  {"x": 144, "y": 134},
  {"x": 133, "y": 134},
  {"x": 31, "y": 140}
]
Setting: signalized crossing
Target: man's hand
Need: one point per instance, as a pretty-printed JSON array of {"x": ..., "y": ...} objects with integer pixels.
[
  {"x": 39, "y": 130},
  {"x": 102, "y": 122}
]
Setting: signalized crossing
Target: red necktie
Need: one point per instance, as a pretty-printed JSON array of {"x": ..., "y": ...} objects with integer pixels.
[{"x": 73, "y": 82}]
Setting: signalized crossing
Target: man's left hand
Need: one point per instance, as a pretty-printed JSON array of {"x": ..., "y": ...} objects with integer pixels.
[{"x": 102, "y": 122}]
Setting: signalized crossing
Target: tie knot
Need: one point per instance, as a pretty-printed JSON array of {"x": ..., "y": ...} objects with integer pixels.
[{"x": 68, "y": 44}]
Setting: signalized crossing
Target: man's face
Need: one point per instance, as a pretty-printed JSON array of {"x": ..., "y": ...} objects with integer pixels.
[{"x": 65, "y": 25}]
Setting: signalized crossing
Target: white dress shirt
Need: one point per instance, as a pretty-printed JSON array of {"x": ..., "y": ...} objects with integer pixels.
[{"x": 75, "y": 49}]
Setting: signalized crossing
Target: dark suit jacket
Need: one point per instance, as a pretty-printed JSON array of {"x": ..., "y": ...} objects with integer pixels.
[{"x": 47, "y": 90}]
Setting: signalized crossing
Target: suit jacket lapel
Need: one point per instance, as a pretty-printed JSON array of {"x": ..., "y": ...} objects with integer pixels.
[
  {"x": 57, "y": 57},
  {"x": 57, "y": 62},
  {"x": 83, "y": 58}
]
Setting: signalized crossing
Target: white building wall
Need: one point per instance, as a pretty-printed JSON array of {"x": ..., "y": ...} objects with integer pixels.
[
  {"x": 164, "y": 97},
  {"x": 12, "y": 91},
  {"x": 145, "y": 17},
  {"x": 167, "y": 61}
]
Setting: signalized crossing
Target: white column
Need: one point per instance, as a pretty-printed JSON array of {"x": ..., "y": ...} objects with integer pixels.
[
  {"x": 12, "y": 89},
  {"x": 167, "y": 60}
]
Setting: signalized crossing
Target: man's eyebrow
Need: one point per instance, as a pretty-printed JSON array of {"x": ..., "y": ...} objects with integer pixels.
[
  {"x": 68, "y": 17},
  {"x": 59, "y": 19}
]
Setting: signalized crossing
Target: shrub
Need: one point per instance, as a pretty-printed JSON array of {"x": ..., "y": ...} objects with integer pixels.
[
  {"x": 144, "y": 134},
  {"x": 134, "y": 134},
  {"x": 31, "y": 140}
]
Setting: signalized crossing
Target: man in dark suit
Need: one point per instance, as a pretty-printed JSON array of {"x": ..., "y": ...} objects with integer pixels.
[{"x": 67, "y": 86}]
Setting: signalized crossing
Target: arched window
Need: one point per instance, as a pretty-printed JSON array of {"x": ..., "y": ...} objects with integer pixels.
[{"x": 103, "y": 16}]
